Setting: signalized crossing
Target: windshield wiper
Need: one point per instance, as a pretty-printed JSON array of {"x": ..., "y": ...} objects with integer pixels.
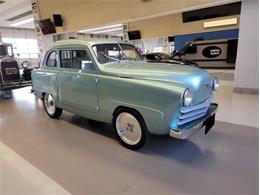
[
  {"x": 108, "y": 57},
  {"x": 124, "y": 55}
]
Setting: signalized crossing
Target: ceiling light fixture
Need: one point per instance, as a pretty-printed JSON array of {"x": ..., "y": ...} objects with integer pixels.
[
  {"x": 110, "y": 30},
  {"x": 224, "y": 22},
  {"x": 100, "y": 28},
  {"x": 19, "y": 16},
  {"x": 22, "y": 22}
]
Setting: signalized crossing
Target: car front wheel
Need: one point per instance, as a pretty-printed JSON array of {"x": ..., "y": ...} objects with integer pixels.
[
  {"x": 50, "y": 107},
  {"x": 130, "y": 128}
]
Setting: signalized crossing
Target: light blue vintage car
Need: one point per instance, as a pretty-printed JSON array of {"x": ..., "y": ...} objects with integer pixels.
[{"x": 108, "y": 81}]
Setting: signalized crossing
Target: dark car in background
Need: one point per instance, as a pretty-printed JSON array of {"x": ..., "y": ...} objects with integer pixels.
[
  {"x": 10, "y": 77},
  {"x": 160, "y": 57},
  {"x": 177, "y": 57}
]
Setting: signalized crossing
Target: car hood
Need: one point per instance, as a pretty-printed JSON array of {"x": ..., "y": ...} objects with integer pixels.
[{"x": 198, "y": 80}]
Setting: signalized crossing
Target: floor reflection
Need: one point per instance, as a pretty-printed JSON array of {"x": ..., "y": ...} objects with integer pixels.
[{"x": 184, "y": 151}]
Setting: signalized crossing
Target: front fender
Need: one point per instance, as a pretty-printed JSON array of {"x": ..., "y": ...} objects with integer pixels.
[
  {"x": 152, "y": 118},
  {"x": 157, "y": 102}
]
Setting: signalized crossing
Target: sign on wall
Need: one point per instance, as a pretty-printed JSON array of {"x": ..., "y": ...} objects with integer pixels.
[{"x": 211, "y": 51}]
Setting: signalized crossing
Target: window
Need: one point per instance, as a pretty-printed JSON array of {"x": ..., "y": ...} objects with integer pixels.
[
  {"x": 65, "y": 59},
  {"x": 9, "y": 50},
  {"x": 172, "y": 48},
  {"x": 76, "y": 59},
  {"x": 23, "y": 48},
  {"x": 51, "y": 61},
  {"x": 158, "y": 49},
  {"x": 106, "y": 53}
]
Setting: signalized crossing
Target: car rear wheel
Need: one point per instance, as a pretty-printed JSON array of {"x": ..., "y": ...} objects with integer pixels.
[
  {"x": 50, "y": 107},
  {"x": 130, "y": 128}
]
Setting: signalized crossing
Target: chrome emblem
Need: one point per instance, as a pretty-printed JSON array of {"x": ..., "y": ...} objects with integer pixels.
[{"x": 130, "y": 127}]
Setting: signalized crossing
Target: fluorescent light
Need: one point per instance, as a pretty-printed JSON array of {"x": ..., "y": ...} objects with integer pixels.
[
  {"x": 100, "y": 28},
  {"x": 110, "y": 30},
  {"x": 224, "y": 22},
  {"x": 22, "y": 22}
]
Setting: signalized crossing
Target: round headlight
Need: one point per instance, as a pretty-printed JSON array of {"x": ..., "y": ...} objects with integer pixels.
[
  {"x": 187, "y": 97},
  {"x": 215, "y": 84}
]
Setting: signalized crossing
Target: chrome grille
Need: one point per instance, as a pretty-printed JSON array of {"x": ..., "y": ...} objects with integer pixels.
[
  {"x": 191, "y": 113},
  {"x": 10, "y": 71}
]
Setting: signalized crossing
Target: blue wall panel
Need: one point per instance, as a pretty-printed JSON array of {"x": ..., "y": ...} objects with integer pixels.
[{"x": 181, "y": 40}]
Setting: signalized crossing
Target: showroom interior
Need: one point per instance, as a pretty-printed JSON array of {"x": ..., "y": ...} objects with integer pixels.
[{"x": 75, "y": 152}]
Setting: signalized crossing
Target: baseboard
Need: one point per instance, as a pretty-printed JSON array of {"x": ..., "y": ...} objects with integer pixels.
[{"x": 246, "y": 90}]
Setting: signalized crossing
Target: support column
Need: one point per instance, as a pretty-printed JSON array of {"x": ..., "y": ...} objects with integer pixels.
[{"x": 247, "y": 63}]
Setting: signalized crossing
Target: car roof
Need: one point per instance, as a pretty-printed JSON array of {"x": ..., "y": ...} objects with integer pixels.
[{"x": 89, "y": 42}]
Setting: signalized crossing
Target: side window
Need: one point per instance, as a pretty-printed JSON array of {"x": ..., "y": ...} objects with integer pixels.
[
  {"x": 76, "y": 59},
  {"x": 65, "y": 59},
  {"x": 51, "y": 60}
]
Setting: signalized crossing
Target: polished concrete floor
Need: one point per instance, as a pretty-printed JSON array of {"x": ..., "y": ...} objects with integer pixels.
[
  {"x": 77, "y": 156},
  {"x": 236, "y": 108},
  {"x": 18, "y": 176}
]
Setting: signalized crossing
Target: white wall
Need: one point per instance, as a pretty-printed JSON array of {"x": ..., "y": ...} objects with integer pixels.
[
  {"x": 154, "y": 44},
  {"x": 17, "y": 33},
  {"x": 20, "y": 33},
  {"x": 247, "y": 64}
]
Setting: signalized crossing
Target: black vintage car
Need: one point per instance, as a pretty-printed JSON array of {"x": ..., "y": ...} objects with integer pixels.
[
  {"x": 176, "y": 57},
  {"x": 10, "y": 77},
  {"x": 161, "y": 58}
]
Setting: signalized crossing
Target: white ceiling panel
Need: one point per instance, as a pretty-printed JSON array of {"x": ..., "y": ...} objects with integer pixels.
[{"x": 16, "y": 11}]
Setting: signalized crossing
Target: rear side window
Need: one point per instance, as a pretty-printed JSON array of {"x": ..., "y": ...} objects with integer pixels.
[
  {"x": 76, "y": 59},
  {"x": 65, "y": 59},
  {"x": 51, "y": 60}
]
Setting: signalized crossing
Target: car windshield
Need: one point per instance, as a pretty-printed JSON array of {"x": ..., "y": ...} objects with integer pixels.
[{"x": 115, "y": 52}]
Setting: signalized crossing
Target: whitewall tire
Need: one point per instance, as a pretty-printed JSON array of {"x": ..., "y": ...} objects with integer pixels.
[
  {"x": 50, "y": 107},
  {"x": 130, "y": 128}
]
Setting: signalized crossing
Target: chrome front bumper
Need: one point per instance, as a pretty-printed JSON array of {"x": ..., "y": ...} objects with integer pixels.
[{"x": 187, "y": 132}]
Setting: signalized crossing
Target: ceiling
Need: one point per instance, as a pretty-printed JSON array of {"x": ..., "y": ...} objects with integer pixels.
[
  {"x": 117, "y": 29},
  {"x": 12, "y": 11},
  {"x": 112, "y": 30}
]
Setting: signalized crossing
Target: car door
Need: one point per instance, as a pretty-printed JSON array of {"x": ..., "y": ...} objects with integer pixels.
[
  {"x": 77, "y": 80},
  {"x": 47, "y": 75}
]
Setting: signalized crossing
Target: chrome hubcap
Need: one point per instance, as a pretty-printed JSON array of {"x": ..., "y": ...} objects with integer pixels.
[
  {"x": 128, "y": 128},
  {"x": 49, "y": 104}
]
